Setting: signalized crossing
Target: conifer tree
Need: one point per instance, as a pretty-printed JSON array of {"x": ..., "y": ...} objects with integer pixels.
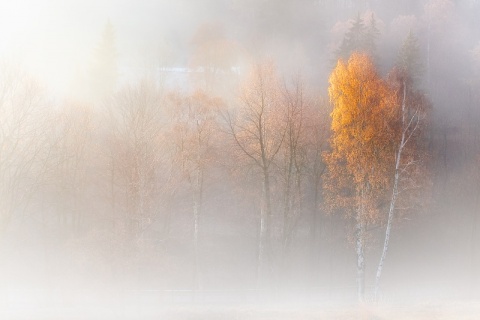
[
  {"x": 360, "y": 38},
  {"x": 408, "y": 60},
  {"x": 353, "y": 39}
]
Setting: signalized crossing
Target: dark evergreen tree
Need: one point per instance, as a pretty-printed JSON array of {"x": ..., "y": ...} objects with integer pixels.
[
  {"x": 361, "y": 38},
  {"x": 353, "y": 39},
  {"x": 371, "y": 36},
  {"x": 408, "y": 60}
]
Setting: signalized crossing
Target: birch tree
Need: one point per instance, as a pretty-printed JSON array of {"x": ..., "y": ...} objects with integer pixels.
[
  {"x": 411, "y": 154},
  {"x": 358, "y": 162}
]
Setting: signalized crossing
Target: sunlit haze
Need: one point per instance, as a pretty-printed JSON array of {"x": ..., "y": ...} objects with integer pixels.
[{"x": 239, "y": 159}]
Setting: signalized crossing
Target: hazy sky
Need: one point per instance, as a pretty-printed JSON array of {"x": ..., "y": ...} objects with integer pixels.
[{"x": 53, "y": 38}]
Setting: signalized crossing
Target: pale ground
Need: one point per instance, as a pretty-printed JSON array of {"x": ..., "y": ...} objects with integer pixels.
[
  {"x": 457, "y": 311},
  {"x": 447, "y": 311}
]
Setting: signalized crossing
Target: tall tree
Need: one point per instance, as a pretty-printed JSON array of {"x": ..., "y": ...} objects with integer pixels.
[
  {"x": 410, "y": 122},
  {"x": 193, "y": 134},
  {"x": 317, "y": 134},
  {"x": 300, "y": 164},
  {"x": 136, "y": 117},
  {"x": 353, "y": 40},
  {"x": 372, "y": 33},
  {"x": 71, "y": 157},
  {"x": 409, "y": 59},
  {"x": 361, "y": 151},
  {"x": 360, "y": 37},
  {"x": 258, "y": 132},
  {"x": 24, "y": 144},
  {"x": 293, "y": 156}
]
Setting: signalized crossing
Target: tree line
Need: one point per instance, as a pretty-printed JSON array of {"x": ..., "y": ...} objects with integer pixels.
[
  {"x": 243, "y": 176},
  {"x": 117, "y": 174}
]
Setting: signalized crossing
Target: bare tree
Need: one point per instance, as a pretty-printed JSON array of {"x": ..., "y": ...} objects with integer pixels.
[
  {"x": 410, "y": 172},
  {"x": 258, "y": 133},
  {"x": 293, "y": 160},
  {"x": 23, "y": 140},
  {"x": 136, "y": 154},
  {"x": 71, "y": 158},
  {"x": 193, "y": 134},
  {"x": 317, "y": 131}
]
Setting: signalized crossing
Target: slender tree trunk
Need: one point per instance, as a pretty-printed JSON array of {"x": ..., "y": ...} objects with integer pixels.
[
  {"x": 391, "y": 211},
  {"x": 261, "y": 239},
  {"x": 197, "y": 206},
  {"x": 360, "y": 248},
  {"x": 428, "y": 56},
  {"x": 314, "y": 233},
  {"x": 287, "y": 210},
  {"x": 112, "y": 194},
  {"x": 264, "y": 234},
  {"x": 360, "y": 244},
  {"x": 393, "y": 199},
  {"x": 316, "y": 230},
  {"x": 473, "y": 248},
  {"x": 287, "y": 203}
]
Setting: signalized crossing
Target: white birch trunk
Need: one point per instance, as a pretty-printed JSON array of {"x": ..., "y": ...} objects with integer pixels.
[
  {"x": 391, "y": 210},
  {"x": 360, "y": 236},
  {"x": 264, "y": 232},
  {"x": 360, "y": 249}
]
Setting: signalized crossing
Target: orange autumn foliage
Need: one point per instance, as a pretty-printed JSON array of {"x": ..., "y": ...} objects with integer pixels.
[{"x": 363, "y": 138}]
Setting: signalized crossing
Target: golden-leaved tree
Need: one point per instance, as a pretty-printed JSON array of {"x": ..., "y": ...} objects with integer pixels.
[{"x": 361, "y": 157}]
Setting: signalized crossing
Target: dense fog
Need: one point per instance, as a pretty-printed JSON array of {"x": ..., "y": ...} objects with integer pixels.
[{"x": 226, "y": 158}]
